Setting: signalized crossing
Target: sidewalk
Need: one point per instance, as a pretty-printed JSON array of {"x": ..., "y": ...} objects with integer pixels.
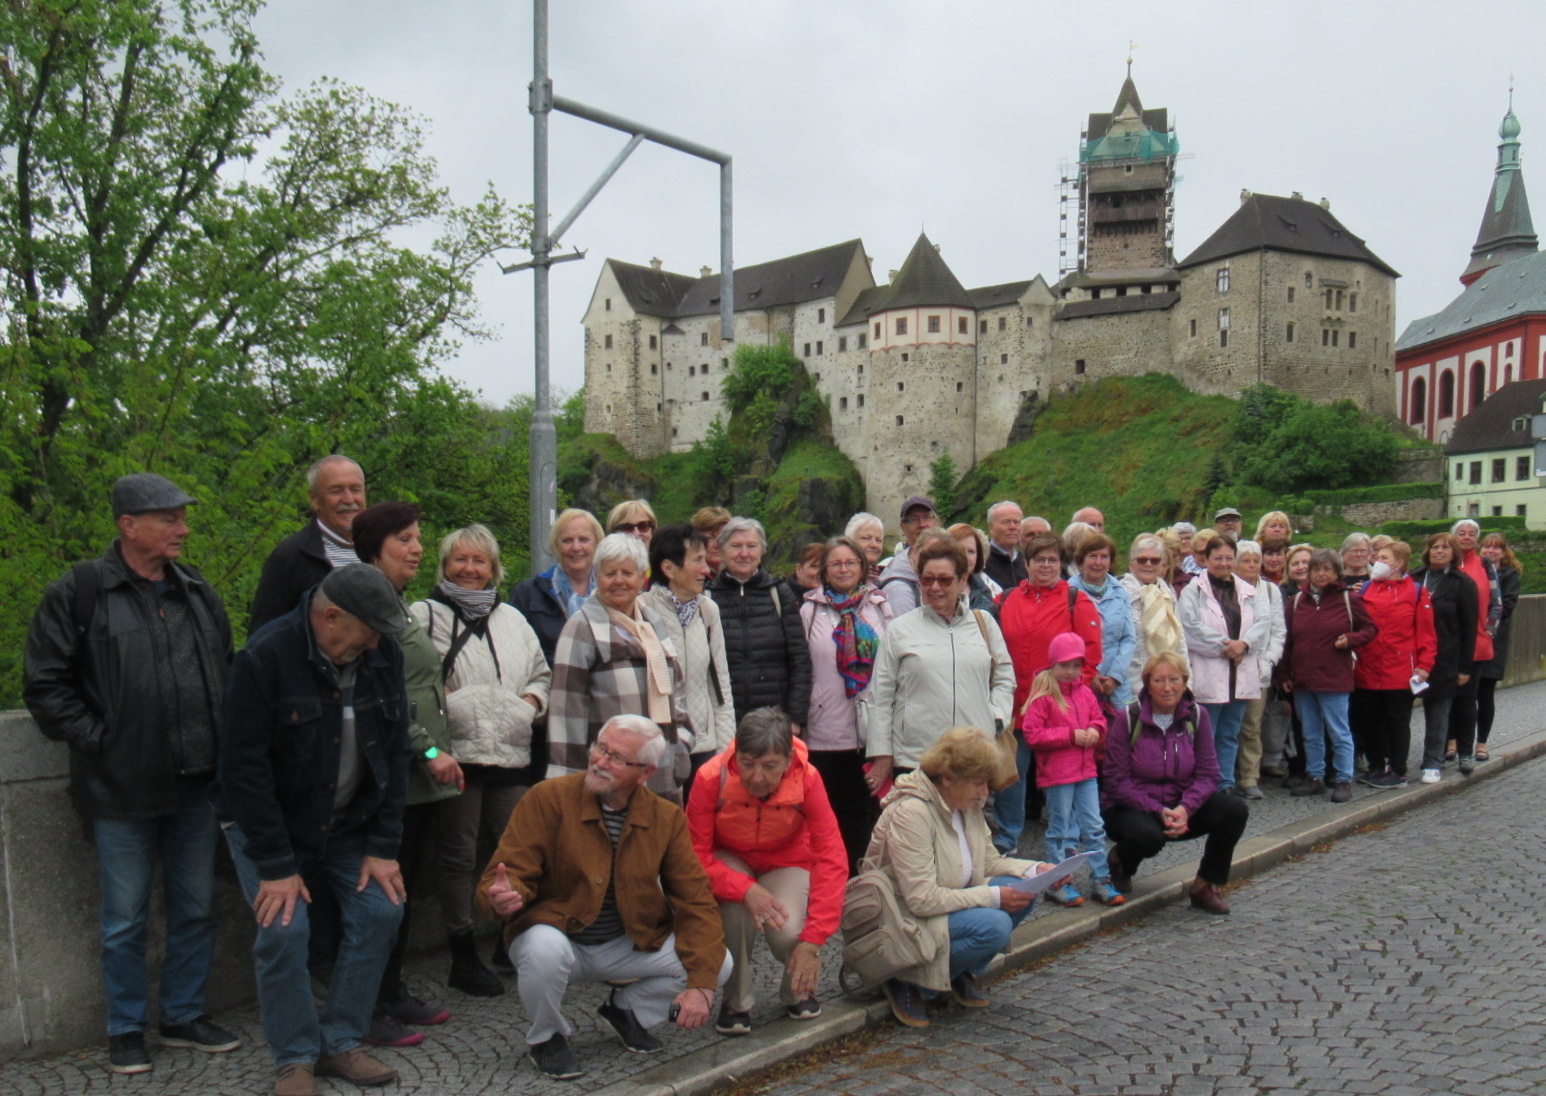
[{"x": 482, "y": 1051}]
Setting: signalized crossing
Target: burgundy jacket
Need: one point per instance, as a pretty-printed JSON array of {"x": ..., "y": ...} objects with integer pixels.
[{"x": 1310, "y": 658}]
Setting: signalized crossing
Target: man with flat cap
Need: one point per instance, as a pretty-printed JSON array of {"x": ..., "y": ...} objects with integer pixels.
[
  {"x": 313, "y": 779},
  {"x": 126, "y": 661}
]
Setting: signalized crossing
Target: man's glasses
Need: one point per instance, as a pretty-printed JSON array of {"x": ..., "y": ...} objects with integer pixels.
[
  {"x": 599, "y": 751},
  {"x": 634, "y": 527}
]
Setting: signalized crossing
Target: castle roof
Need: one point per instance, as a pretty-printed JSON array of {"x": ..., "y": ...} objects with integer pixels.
[
  {"x": 994, "y": 296},
  {"x": 1128, "y": 131},
  {"x": 650, "y": 292},
  {"x": 1508, "y": 292},
  {"x": 1266, "y": 222},
  {"x": 804, "y": 277},
  {"x": 1493, "y": 424},
  {"x": 924, "y": 279},
  {"x": 1507, "y": 230},
  {"x": 1109, "y": 306}
]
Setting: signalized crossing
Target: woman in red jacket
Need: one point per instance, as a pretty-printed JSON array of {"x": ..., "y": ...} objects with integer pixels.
[
  {"x": 1391, "y": 664},
  {"x": 765, "y": 832}
]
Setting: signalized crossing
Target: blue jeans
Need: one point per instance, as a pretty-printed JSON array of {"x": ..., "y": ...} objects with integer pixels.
[
  {"x": 1226, "y": 720},
  {"x": 977, "y": 935},
  {"x": 126, "y": 852},
  {"x": 291, "y": 1024},
  {"x": 1009, "y": 804},
  {"x": 1325, "y": 714},
  {"x": 1074, "y": 824}
]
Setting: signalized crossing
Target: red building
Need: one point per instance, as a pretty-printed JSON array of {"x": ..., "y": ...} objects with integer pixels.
[{"x": 1494, "y": 333}]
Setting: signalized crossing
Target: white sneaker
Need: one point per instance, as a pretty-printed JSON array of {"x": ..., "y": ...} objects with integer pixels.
[{"x": 1432, "y": 776}]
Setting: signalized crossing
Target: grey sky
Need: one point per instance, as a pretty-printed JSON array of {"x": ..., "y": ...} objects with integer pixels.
[{"x": 874, "y": 119}]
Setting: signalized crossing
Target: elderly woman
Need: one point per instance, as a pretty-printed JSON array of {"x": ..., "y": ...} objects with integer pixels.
[
  {"x": 1118, "y": 637},
  {"x": 615, "y": 657},
  {"x": 766, "y": 835},
  {"x": 981, "y": 591},
  {"x": 932, "y": 839},
  {"x": 869, "y": 533},
  {"x": 709, "y": 521},
  {"x": 635, "y": 517},
  {"x": 770, "y": 665},
  {"x": 1357, "y": 555},
  {"x": 1226, "y": 634},
  {"x": 1156, "y": 627},
  {"x": 1398, "y": 657},
  {"x": 940, "y": 665},
  {"x": 844, "y": 620},
  {"x": 1248, "y": 566},
  {"x": 1160, "y": 784},
  {"x": 1327, "y": 623},
  {"x": 1456, "y": 607},
  {"x": 387, "y": 536},
  {"x": 548, "y": 600},
  {"x": 1274, "y": 525},
  {"x": 1463, "y": 710},
  {"x": 1496, "y": 551}
]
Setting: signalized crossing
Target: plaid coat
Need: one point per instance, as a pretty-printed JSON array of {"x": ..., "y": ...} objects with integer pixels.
[{"x": 599, "y": 672}]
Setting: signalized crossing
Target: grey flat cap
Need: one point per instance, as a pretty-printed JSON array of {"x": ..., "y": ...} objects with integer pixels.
[
  {"x": 1227, "y": 512},
  {"x": 361, "y": 590},
  {"x": 146, "y": 491}
]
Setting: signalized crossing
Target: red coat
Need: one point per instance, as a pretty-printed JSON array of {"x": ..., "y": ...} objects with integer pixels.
[
  {"x": 1031, "y": 616},
  {"x": 793, "y": 828},
  {"x": 1404, "y": 614},
  {"x": 1049, "y": 730},
  {"x": 1476, "y": 567},
  {"x": 1311, "y": 656}
]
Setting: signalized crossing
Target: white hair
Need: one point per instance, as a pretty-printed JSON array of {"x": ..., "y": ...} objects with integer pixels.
[
  {"x": 322, "y": 462},
  {"x": 859, "y": 521},
  {"x": 1472, "y": 522},
  {"x": 1247, "y": 548},
  {"x": 742, "y": 525},
  {"x": 997, "y": 506},
  {"x": 653, "y": 751},
  {"x": 1353, "y": 540},
  {"x": 615, "y": 546}
]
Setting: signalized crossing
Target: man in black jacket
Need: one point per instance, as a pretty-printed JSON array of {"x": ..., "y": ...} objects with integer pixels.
[
  {"x": 336, "y": 487},
  {"x": 126, "y": 661},
  {"x": 1005, "y": 566}
]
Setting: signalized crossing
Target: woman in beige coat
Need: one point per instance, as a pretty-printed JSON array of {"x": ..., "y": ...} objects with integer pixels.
[{"x": 933, "y": 840}]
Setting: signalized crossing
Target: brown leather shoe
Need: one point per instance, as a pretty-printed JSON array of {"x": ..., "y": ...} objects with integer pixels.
[
  {"x": 356, "y": 1067},
  {"x": 1208, "y": 899},
  {"x": 296, "y": 1079}
]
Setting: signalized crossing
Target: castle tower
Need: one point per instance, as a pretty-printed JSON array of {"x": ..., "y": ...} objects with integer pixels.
[{"x": 1507, "y": 231}]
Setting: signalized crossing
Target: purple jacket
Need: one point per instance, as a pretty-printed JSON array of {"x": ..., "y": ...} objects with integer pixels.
[{"x": 1174, "y": 767}]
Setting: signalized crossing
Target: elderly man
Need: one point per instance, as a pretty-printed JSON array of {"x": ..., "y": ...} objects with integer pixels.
[
  {"x": 596, "y": 880},
  {"x": 1032, "y": 527},
  {"x": 336, "y": 488},
  {"x": 1004, "y": 565},
  {"x": 1228, "y": 522},
  {"x": 1091, "y": 517},
  {"x": 313, "y": 779},
  {"x": 126, "y": 661}
]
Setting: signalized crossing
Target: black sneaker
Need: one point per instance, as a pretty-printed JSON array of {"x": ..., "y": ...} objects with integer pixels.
[
  {"x": 628, "y": 1028},
  {"x": 126, "y": 1053},
  {"x": 732, "y": 1022},
  {"x": 1370, "y": 778},
  {"x": 554, "y": 1058},
  {"x": 201, "y": 1034},
  {"x": 1388, "y": 779},
  {"x": 808, "y": 1009}
]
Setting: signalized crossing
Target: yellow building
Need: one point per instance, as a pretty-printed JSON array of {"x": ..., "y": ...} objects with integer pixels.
[{"x": 1491, "y": 458}]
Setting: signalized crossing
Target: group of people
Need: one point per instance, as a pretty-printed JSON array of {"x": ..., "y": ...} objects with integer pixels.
[{"x": 674, "y": 751}]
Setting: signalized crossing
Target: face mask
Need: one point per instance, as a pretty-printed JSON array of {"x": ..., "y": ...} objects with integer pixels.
[{"x": 1381, "y": 571}]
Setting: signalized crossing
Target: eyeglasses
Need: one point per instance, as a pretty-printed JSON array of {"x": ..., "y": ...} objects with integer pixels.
[
  {"x": 842, "y": 563},
  {"x": 599, "y": 751},
  {"x": 936, "y": 580},
  {"x": 1152, "y": 561},
  {"x": 1046, "y": 561},
  {"x": 634, "y": 527}
]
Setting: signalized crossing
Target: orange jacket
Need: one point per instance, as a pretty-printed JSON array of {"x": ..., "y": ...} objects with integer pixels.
[{"x": 793, "y": 828}]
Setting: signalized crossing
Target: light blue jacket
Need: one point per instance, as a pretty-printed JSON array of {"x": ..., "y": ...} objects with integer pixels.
[{"x": 1117, "y": 637}]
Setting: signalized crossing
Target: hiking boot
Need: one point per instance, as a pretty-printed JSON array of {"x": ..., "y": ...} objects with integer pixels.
[
  {"x": 356, "y": 1067},
  {"x": 201, "y": 1034},
  {"x": 732, "y": 1022},
  {"x": 126, "y": 1053},
  {"x": 1342, "y": 792},
  {"x": 967, "y": 992},
  {"x": 1311, "y": 786},
  {"x": 554, "y": 1058},
  {"x": 1208, "y": 899},
  {"x": 296, "y": 1079},
  {"x": 907, "y": 1003},
  {"x": 627, "y": 1027}
]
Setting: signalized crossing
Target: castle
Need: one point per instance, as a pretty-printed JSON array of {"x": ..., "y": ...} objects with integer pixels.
[{"x": 921, "y": 366}]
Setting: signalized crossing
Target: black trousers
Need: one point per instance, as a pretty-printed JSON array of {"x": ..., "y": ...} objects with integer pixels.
[
  {"x": 1361, "y": 717},
  {"x": 1221, "y": 819},
  {"x": 842, "y": 771},
  {"x": 1387, "y": 732},
  {"x": 1485, "y": 708},
  {"x": 1462, "y": 717}
]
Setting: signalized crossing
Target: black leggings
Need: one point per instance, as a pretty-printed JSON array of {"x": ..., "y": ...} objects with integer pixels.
[
  {"x": 1484, "y": 708},
  {"x": 1462, "y": 717},
  {"x": 1387, "y": 729},
  {"x": 842, "y": 772},
  {"x": 1221, "y": 819}
]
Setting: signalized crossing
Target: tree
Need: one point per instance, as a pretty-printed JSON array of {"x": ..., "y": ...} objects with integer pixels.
[
  {"x": 942, "y": 483},
  {"x": 1287, "y": 444},
  {"x": 203, "y": 279}
]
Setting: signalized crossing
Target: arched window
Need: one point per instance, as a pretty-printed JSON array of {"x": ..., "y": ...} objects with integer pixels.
[
  {"x": 1447, "y": 395},
  {"x": 1478, "y": 385},
  {"x": 1417, "y": 407}
]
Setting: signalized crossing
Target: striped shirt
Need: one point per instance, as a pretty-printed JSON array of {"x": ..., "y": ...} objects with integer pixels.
[{"x": 608, "y": 924}]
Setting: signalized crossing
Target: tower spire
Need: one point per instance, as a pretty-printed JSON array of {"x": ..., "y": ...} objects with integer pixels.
[{"x": 1507, "y": 232}]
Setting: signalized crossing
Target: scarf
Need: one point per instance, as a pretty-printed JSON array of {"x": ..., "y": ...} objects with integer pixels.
[
  {"x": 685, "y": 610},
  {"x": 571, "y": 598},
  {"x": 474, "y": 604},
  {"x": 855, "y": 640},
  {"x": 1157, "y": 615},
  {"x": 657, "y": 670}
]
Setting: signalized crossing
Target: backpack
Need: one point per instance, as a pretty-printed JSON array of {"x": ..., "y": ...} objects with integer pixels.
[
  {"x": 1135, "y": 725},
  {"x": 880, "y": 938}
]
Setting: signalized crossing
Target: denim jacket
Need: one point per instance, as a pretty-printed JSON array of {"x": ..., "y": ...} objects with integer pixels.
[{"x": 279, "y": 751}]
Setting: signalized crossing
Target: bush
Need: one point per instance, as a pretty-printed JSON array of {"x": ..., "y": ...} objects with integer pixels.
[
  {"x": 1285, "y": 443},
  {"x": 1384, "y": 492},
  {"x": 1411, "y": 530}
]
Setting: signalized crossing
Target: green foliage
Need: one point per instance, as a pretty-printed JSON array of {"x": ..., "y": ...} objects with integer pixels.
[
  {"x": 942, "y": 482},
  {"x": 1382, "y": 492},
  {"x": 1414, "y": 531},
  {"x": 1285, "y": 443},
  {"x": 759, "y": 379}
]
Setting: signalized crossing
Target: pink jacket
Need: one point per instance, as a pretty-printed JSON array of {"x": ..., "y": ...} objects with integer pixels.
[
  {"x": 835, "y": 722},
  {"x": 1049, "y": 730}
]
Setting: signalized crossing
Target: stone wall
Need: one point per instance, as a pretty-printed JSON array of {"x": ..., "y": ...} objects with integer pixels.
[
  {"x": 1420, "y": 466},
  {"x": 921, "y": 406},
  {"x": 1014, "y": 344},
  {"x": 1368, "y": 515},
  {"x": 1092, "y": 348}
]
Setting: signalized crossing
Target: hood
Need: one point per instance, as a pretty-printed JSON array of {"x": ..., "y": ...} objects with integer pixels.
[{"x": 915, "y": 785}]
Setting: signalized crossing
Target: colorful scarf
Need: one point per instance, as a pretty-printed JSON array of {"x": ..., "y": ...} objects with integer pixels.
[{"x": 855, "y": 640}]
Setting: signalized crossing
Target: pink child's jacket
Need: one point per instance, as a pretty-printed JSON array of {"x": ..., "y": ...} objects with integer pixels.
[{"x": 1049, "y": 730}]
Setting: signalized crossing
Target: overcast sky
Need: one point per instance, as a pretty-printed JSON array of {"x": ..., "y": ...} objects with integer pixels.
[{"x": 878, "y": 118}]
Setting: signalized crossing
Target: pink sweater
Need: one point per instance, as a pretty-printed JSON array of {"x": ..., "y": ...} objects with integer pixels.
[{"x": 1049, "y": 730}]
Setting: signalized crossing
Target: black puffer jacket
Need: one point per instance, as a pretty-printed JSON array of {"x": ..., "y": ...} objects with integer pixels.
[
  {"x": 296, "y": 564},
  {"x": 105, "y": 691},
  {"x": 770, "y": 664}
]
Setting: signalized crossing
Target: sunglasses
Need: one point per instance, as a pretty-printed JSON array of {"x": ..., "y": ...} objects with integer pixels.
[
  {"x": 1154, "y": 561},
  {"x": 935, "y": 580},
  {"x": 634, "y": 527}
]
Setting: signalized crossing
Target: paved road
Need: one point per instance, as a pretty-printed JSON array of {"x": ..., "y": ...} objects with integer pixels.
[{"x": 1406, "y": 961}]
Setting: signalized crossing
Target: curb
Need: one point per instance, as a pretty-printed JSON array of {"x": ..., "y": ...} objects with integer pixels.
[{"x": 728, "y": 1061}]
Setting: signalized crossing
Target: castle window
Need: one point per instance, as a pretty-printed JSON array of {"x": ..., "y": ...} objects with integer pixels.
[
  {"x": 863, "y": 341},
  {"x": 1325, "y": 336},
  {"x": 1288, "y": 334},
  {"x": 982, "y": 327},
  {"x": 933, "y": 325},
  {"x": 1476, "y": 473},
  {"x": 674, "y": 431},
  {"x": 1459, "y": 470},
  {"x": 1352, "y": 340},
  {"x": 807, "y": 351},
  {"x": 842, "y": 343},
  {"x": 960, "y": 387},
  {"x": 703, "y": 338},
  {"x": 877, "y": 331},
  {"x": 705, "y": 397},
  {"x": 609, "y": 408},
  {"x": 609, "y": 367},
  {"x": 654, "y": 369},
  {"x": 1095, "y": 294},
  {"x": 1508, "y": 350},
  {"x": 1499, "y": 469},
  {"x": 606, "y": 342},
  {"x": 1309, "y": 280},
  {"x": 1352, "y": 302},
  {"x": 1327, "y": 294},
  {"x": 1194, "y": 329},
  {"x": 1497, "y": 511},
  {"x": 901, "y": 325},
  {"x": 904, "y": 357},
  {"x": 1521, "y": 468},
  {"x": 1336, "y": 337},
  {"x": 818, "y": 347},
  {"x": 961, "y": 325},
  {"x": 1224, "y": 337},
  {"x": 842, "y": 403},
  {"x": 899, "y": 420},
  {"x": 1339, "y": 300},
  {"x": 1223, "y": 319},
  {"x": 1519, "y": 511},
  {"x": 861, "y": 368},
  {"x": 901, "y": 386},
  {"x": 609, "y": 304},
  {"x": 1003, "y": 323},
  {"x": 816, "y": 377},
  {"x": 1447, "y": 394},
  {"x": 653, "y": 342},
  {"x": 668, "y": 367},
  {"x": 660, "y": 407},
  {"x": 1222, "y": 279},
  {"x": 861, "y": 399},
  {"x": 1418, "y": 407},
  {"x": 821, "y": 315},
  {"x": 1290, "y": 294},
  {"x": 724, "y": 363},
  {"x": 1030, "y": 321},
  {"x": 1079, "y": 366},
  {"x": 1003, "y": 359}
]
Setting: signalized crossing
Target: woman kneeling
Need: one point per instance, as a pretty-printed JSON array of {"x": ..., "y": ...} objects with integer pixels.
[{"x": 933, "y": 840}]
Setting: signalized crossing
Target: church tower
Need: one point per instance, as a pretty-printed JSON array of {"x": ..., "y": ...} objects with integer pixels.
[{"x": 1507, "y": 231}]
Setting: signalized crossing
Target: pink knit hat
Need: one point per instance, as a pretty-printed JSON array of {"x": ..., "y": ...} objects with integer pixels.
[{"x": 1065, "y": 648}]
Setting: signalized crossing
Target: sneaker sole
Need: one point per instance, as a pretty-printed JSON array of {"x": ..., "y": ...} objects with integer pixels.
[
  {"x": 207, "y": 1048},
  {"x": 659, "y": 1046},
  {"x": 903, "y": 1018},
  {"x": 138, "y": 1067},
  {"x": 555, "y": 1076},
  {"x": 803, "y": 1015},
  {"x": 732, "y": 1031}
]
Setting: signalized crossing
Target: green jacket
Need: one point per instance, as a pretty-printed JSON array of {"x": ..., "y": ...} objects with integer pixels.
[{"x": 427, "y": 710}]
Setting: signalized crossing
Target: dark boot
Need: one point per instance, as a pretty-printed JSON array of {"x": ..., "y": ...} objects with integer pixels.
[
  {"x": 467, "y": 973},
  {"x": 499, "y": 958}
]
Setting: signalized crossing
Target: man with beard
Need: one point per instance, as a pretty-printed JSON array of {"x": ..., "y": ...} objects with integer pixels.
[{"x": 596, "y": 880}]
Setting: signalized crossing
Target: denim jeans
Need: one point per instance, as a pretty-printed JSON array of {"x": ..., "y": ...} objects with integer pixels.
[
  {"x": 1226, "y": 720},
  {"x": 126, "y": 852},
  {"x": 1074, "y": 824},
  {"x": 1009, "y": 804},
  {"x": 977, "y": 935},
  {"x": 1325, "y": 714},
  {"x": 291, "y": 1024}
]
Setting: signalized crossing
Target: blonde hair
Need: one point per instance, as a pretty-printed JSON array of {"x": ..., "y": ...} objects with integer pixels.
[
  {"x": 1166, "y": 658},
  {"x": 1270, "y": 516},
  {"x": 1044, "y": 684},
  {"x": 966, "y": 753}
]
